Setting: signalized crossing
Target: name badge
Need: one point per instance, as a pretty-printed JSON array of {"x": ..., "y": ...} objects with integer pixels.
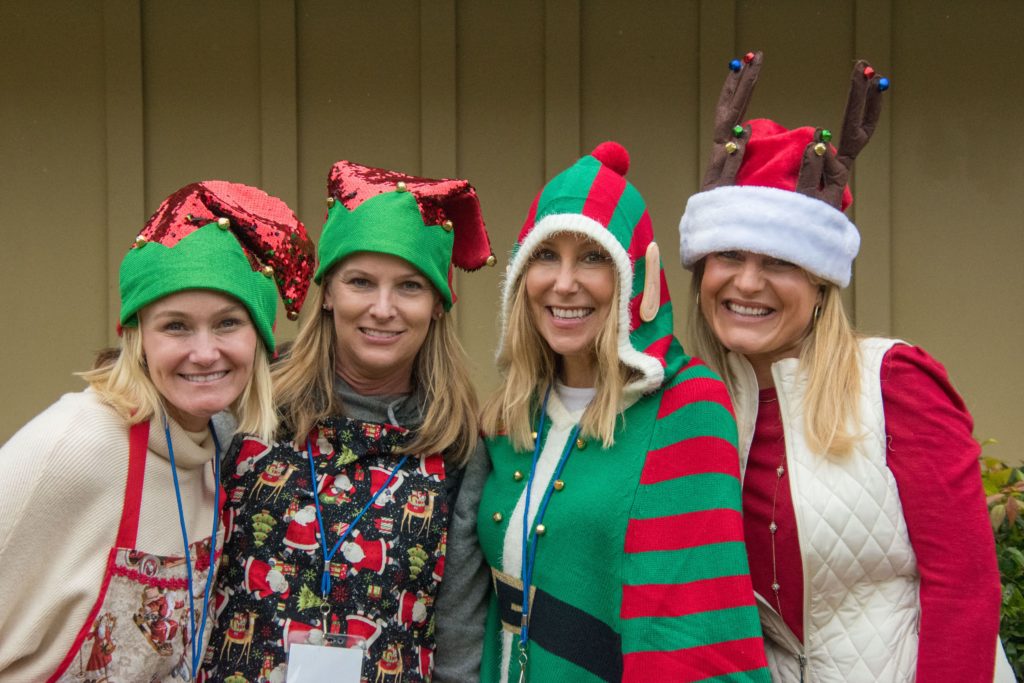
[{"x": 315, "y": 664}]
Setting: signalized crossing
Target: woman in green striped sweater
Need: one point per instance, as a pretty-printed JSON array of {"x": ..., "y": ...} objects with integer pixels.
[{"x": 620, "y": 449}]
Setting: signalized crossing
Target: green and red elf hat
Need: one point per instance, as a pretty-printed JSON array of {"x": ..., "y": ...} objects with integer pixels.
[
  {"x": 432, "y": 224},
  {"x": 593, "y": 198},
  {"x": 781, "y": 192},
  {"x": 227, "y": 237}
]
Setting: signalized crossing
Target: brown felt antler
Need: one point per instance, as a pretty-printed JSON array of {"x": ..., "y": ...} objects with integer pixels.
[
  {"x": 824, "y": 171},
  {"x": 730, "y": 140}
]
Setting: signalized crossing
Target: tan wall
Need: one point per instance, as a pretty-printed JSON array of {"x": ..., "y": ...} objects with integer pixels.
[{"x": 110, "y": 106}]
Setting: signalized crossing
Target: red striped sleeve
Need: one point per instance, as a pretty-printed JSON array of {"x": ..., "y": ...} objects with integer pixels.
[
  {"x": 695, "y": 663},
  {"x": 687, "y": 530},
  {"x": 706, "y": 388},
  {"x": 659, "y": 349},
  {"x": 698, "y": 455},
  {"x": 678, "y": 600}
]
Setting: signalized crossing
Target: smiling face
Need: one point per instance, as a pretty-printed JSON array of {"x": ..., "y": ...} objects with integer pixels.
[
  {"x": 570, "y": 290},
  {"x": 200, "y": 347},
  {"x": 382, "y": 309},
  {"x": 759, "y": 306}
]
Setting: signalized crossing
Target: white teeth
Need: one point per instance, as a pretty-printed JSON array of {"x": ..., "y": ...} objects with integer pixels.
[
  {"x": 747, "y": 310},
  {"x": 381, "y": 334},
  {"x": 570, "y": 313},
  {"x": 213, "y": 376}
]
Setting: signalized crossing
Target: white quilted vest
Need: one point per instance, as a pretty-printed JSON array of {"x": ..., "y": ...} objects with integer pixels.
[{"x": 861, "y": 583}]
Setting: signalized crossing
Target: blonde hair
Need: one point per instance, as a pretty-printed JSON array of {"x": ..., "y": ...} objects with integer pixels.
[
  {"x": 304, "y": 384},
  {"x": 829, "y": 356},
  {"x": 122, "y": 381},
  {"x": 529, "y": 369}
]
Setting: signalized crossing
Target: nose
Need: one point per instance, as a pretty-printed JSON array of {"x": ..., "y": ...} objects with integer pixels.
[
  {"x": 565, "y": 278},
  {"x": 205, "y": 350},
  {"x": 750, "y": 277},
  {"x": 383, "y": 306}
]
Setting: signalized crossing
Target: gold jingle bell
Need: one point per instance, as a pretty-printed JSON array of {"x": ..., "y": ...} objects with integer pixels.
[
  {"x": 140, "y": 242},
  {"x": 581, "y": 444},
  {"x": 223, "y": 223},
  {"x": 541, "y": 529},
  {"x": 447, "y": 225},
  {"x": 819, "y": 149},
  {"x": 517, "y": 475},
  {"x": 293, "y": 315},
  {"x": 731, "y": 147},
  {"x": 401, "y": 186},
  {"x": 330, "y": 202},
  {"x": 559, "y": 485},
  {"x": 268, "y": 271},
  {"x": 491, "y": 260},
  {"x": 497, "y": 517}
]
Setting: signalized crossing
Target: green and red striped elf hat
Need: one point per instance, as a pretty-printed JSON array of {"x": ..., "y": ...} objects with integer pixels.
[{"x": 592, "y": 197}]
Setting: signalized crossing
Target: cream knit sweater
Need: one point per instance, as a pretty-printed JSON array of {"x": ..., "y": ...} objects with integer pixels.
[{"x": 62, "y": 482}]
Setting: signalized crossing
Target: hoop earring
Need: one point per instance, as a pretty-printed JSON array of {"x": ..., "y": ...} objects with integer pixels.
[
  {"x": 698, "y": 298},
  {"x": 817, "y": 314}
]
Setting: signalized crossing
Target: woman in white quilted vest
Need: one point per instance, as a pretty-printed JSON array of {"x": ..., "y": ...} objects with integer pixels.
[{"x": 865, "y": 520}]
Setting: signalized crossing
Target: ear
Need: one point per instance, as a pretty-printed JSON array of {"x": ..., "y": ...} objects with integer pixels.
[
  {"x": 438, "y": 310},
  {"x": 651, "y": 300}
]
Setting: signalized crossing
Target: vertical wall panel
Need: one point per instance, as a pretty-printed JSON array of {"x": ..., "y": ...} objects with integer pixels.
[
  {"x": 359, "y": 92},
  {"x": 122, "y": 47},
  {"x": 958, "y": 176},
  {"x": 501, "y": 146},
  {"x": 53, "y": 306},
  {"x": 640, "y": 87},
  {"x": 277, "y": 103},
  {"x": 201, "y": 66},
  {"x": 872, "y": 179}
]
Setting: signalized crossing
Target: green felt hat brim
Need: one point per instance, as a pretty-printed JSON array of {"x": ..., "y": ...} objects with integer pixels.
[
  {"x": 208, "y": 258},
  {"x": 390, "y": 223}
]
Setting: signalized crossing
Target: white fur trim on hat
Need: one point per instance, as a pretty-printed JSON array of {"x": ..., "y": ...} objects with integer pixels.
[
  {"x": 651, "y": 369},
  {"x": 766, "y": 220}
]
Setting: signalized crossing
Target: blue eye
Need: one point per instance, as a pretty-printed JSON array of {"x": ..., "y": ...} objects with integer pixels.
[
  {"x": 360, "y": 282},
  {"x": 231, "y": 323},
  {"x": 412, "y": 286}
]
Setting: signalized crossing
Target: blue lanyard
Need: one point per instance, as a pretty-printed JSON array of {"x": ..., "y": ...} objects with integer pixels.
[
  {"x": 197, "y": 636},
  {"x": 325, "y": 580},
  {"x": 530, "y": 542}
]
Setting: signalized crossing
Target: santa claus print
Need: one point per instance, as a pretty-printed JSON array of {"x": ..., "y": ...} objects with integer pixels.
[
  {"x": 250, "y": 453},
  {"x": 362, "y": 554},
  {"x": 378, "y": 477},
  {"x": 303, "y": 530},
  {"x": 263, "y": 579},
  {"x": 335, "y": 489}
]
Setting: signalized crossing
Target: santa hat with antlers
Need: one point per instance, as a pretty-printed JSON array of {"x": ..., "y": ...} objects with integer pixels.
[{"x": 781, "y": 192}]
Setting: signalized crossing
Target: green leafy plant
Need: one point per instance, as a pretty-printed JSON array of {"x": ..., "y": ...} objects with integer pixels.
[{"x": 1004, "y": 488}]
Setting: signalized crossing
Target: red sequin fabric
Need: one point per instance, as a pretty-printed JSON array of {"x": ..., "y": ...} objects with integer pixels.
[
  {"x": 267, "y": 229},
  {"x": 438, "y": 200}
]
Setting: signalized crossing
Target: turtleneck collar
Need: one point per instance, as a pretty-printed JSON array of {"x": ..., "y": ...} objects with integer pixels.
[{"x": 191, "y": 449}]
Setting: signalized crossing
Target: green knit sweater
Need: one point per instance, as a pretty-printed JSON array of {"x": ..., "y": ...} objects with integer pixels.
[{"x": 641, "y": 574}]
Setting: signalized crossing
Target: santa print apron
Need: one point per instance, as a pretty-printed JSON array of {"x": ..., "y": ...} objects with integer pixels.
[
  {"x": 383, "y": 578},
  {"x": 139, "y": 627}
]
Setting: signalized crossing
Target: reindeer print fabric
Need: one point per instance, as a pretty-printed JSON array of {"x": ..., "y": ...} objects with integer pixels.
[{"x": 384, "y": 577}]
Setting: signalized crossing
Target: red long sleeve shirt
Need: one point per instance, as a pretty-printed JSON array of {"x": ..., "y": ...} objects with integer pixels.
[{"x": 934, "y": 459}]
